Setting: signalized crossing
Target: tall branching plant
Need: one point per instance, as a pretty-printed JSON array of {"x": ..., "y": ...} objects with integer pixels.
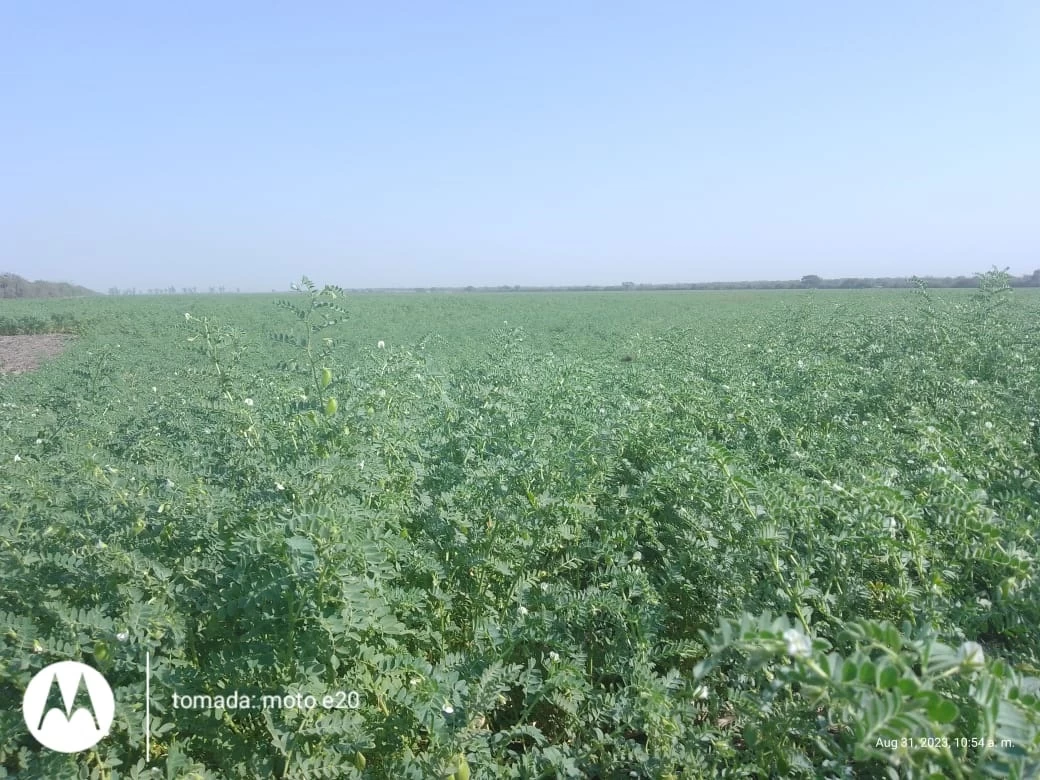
[{"x": 316, "y": 313}]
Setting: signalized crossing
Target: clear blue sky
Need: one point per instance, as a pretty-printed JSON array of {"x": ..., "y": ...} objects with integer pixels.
[{"x": 420, "y": 144}]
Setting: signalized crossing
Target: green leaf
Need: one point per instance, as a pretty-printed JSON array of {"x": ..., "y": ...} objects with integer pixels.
[
  {"x": 302, "y": 550},
  {"x": 888, "y": 676},
  {"x": 908, "y": 686},
  {"x": 943, "y": 711},
  {"x": 867, "y": 673}
]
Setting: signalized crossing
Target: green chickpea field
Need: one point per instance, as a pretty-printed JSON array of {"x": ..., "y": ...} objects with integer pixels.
[{"x": 774, "y": 534}]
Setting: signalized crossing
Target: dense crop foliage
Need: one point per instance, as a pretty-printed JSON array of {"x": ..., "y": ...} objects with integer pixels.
[
  {"x": 30, "y": 325},
  {"x": 696, "y": 535}
]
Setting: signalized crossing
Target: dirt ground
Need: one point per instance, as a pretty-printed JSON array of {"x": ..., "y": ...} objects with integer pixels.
[{"x": 24, "y": 353}]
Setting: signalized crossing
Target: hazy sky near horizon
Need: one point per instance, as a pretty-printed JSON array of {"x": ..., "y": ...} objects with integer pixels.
[{"x": 408, "y": 144}]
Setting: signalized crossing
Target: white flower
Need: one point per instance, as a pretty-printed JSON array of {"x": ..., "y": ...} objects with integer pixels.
[
  {"x": 637, "y": 556},
  {"x": 522, "y": 610},
  {"x": 448, "y": 709},
  {"x": 187, "y": 315},
  {"x": 798, "y": 644},
  {"x": 989, "y": 425},
  {"x": 971, "y": 654},
  {"x": 122, "y": 636},
  {"x": 39, "y": 441},
  {"x": 155, "y": 389},
  {"x": 17, "y": 458},
  {"x": 279, "y": 486},
  {"x": 554, "y": 656},
  {"x": 381, "y": 344},
  {"x": 700, "y": 692},
  {"x": 248, "y": 402}
]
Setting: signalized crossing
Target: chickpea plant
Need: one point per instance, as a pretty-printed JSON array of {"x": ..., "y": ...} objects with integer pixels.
[{"x": 792, "y": 535}]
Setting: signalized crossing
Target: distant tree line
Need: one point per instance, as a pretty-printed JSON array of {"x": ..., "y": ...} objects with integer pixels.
[
  {"x": 14, "y": 286},
  {"x": 808, "y": 282},
  {"x": 168, "y": 291}
]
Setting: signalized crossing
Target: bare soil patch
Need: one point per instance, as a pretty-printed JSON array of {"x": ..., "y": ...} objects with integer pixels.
[{"x": 25, "y": 353}]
